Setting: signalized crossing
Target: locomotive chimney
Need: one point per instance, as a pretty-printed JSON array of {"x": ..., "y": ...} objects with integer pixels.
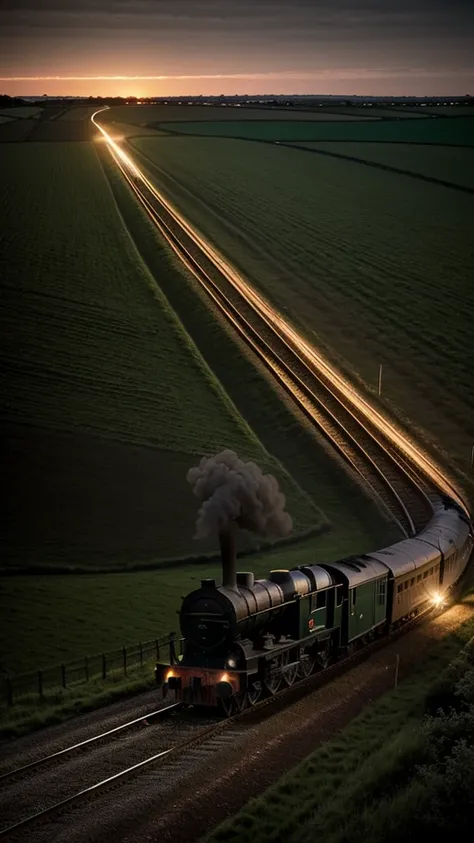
[{"x": 227, "y": 541}]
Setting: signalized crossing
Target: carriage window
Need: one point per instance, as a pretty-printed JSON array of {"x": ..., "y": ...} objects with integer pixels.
[
  {"x": 353, "y": 595},
  {"x": 418, "y": 579},
  {"x": 339, "y": 595},
  {"x": 321, "y": 599},
  {"x": 405, "y": 585},
  {"x": 425, "y": 574},
  {"x": 399, "y": 588},
  {"x": 412, "y": 581}
]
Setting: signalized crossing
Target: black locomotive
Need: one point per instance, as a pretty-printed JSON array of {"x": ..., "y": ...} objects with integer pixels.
[{"x": 247, "y": 637}]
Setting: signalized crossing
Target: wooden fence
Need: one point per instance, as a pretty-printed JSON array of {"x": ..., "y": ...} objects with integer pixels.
[{"x": 15, "y": 687}]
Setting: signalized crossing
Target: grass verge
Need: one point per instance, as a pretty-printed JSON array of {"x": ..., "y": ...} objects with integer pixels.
[{"x": 62, "y": 704}]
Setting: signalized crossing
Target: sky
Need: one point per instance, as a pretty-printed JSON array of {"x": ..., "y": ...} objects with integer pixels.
[{"x": 178, "y": 47}]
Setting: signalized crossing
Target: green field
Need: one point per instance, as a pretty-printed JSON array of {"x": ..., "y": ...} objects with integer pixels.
[
  {"x": 22, "y": 111},
  {"x": 364, "y": 785},
  {"x": 443, "y": 131},
  {"x": 446, "y": 163},
  {"x": 78, "y": 113},
  {"x": 183, "y": 113},
  {"x": 108, "y": 402},
  {"x": 373, "y": 266},
  {"x": 387, "y": 112}
]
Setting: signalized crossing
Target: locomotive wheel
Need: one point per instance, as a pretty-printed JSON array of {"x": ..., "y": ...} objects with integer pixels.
[
  {"x": 324, "y": 657},
  {"x": 227, "y": 706},
  {"x": 289, "y": 674},
  {"x": 273, "y": 676},
  {"x": 240, "y": 702},
  {"x": 254, "y": 693},
  {"x": 306, "y": 664}
]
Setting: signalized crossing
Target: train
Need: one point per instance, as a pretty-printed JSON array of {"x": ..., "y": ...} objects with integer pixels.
[{"x": 247, "y": 638}]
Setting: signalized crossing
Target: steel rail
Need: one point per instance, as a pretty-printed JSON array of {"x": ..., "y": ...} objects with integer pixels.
[
  {"x": 234, "y": 315},
  {"x": 104, "y": 783},
  {"x": 69, "y": 749}
]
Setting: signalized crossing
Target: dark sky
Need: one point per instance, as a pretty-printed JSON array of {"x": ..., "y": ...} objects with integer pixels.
[{"x": 237, "y": 46}]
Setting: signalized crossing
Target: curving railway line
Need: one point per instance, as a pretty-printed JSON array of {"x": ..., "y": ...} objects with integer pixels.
[{"x": 403, "y": 480}]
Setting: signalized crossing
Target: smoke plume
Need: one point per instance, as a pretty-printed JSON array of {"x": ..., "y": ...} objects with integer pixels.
[{"x": 230, "y": 489}]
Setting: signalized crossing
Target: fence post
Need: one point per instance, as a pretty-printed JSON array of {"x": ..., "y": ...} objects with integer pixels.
[
  {"x": 40, "y": 683},
  {"x": 104, "y": 667},
  {"x": 157, "y": 650},
  {"x": 86, "y": 664},
  {"x": 141, "y": 654},
  {"x": 124, "y": 654},
  {"x": 9, "y": 691},
  {"x": 63, "y": 675}
]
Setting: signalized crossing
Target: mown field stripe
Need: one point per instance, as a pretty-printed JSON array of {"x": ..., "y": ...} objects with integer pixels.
[{"x": 378, "y": 165}]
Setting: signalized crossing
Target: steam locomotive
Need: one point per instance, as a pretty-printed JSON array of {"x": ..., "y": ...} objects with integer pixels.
[{"x": 246, "y": 638}]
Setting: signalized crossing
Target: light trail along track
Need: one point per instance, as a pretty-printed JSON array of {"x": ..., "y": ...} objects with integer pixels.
[{"x": 405, "y": 482}]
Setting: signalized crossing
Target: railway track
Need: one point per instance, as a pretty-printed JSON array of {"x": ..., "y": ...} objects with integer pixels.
[
  {"x": 25, "y": 789},
  {"x": 61, "y": 754},
  {"x": 184, "y": 751},
  {"x": 398, "y": 484}
]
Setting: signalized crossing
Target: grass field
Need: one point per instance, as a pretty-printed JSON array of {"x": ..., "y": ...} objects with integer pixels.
[
  {"x": 183, "y": 113},
  {"x": 372, "y": 265},
  {"x": 447, "y": 163},
  {"x": 62, "y": 131},
  {"x": 118, "y": 131},
  {"x": 354, "y": 787},
  {"x": 443, "y": 131},
  {"x": 388, "y": 113},
  {"x": 22, "y": 111},
  {"x": 78, "y": 113},
  {"x": 108, "y": 401},
  {"x": 13, "y": 131}
]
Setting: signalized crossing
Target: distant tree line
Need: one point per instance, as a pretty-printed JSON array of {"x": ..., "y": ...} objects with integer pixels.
[{"x": 305, "y": 100}]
